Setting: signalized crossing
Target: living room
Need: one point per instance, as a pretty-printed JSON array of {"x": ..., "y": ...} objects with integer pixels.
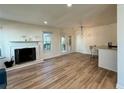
[{"x": 53, "y": 41}]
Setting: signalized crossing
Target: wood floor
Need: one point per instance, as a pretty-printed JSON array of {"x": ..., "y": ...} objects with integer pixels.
[{"x": 72, "y": 71}]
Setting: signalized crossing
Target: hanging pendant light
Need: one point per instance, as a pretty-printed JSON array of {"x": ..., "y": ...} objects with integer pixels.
[{"x": 81, "y": 29}]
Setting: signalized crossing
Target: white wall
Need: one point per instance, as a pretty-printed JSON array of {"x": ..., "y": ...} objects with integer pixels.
[
  {"x": 99, "y": 35},
  {"x": 13, "y": 31},
  {"x": 120, "y": 34}
]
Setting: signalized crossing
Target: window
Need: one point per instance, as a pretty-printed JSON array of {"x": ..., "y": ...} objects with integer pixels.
[
  {"x": 47, "y": 40},
  {"x": 63, "y": 44}
]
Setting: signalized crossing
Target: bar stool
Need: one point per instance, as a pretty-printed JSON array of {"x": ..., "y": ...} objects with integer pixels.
[{"x": 93, "y": 51}]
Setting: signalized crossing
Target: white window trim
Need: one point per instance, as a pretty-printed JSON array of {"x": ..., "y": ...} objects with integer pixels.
[{"x": 46, "y": 51}]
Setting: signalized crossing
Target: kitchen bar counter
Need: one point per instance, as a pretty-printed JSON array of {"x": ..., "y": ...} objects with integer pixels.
[{"x": 107, "y": 58}]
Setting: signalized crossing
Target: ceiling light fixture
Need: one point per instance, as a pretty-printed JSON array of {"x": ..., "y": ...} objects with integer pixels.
[
  {"x": 81, "y": 29},
  {"x": 45, "y": 22},
  {"x": 69, "y": 5}
]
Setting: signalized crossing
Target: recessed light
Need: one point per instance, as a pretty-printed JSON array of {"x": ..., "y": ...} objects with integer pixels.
[
  {"x": 45, "y": 22},
  {"x": 69, "y": 5}
]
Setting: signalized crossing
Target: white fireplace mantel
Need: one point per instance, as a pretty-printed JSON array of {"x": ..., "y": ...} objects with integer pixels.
[
  {"x": 18, "y": 45},
  {"x": 24, "y": 44},
  {"x": 25, "y": 41}
]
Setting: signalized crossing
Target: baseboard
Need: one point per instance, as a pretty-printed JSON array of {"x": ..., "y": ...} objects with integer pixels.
[
  {"x": 119, "y": 86},
  {"x": 84, "y": 53},
  {"x": 56, "y": 56}
]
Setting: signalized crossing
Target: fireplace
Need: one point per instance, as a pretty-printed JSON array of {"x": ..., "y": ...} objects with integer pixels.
[{"x": 25, "y": 55}]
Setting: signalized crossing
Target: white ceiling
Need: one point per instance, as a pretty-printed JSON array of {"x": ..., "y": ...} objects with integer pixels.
[{"x": 59, "y": 15}]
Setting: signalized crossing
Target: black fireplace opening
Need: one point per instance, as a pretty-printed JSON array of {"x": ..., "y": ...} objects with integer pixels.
[{"x": 25, "y": 55}]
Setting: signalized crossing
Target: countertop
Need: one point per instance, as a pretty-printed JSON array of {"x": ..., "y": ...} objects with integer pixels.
[{"x": 106, "y": 47}]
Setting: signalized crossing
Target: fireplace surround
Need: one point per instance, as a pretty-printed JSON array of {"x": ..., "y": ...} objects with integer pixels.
[{"x": 24, "y": 55}]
